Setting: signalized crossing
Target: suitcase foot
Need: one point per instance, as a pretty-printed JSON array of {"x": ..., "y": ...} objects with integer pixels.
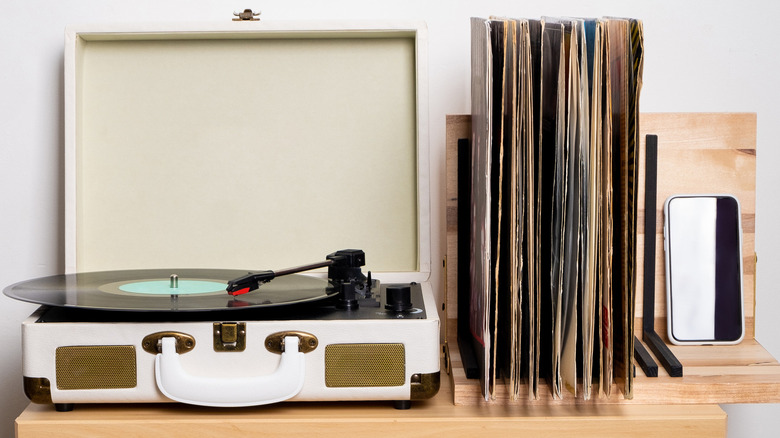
[
  {"x": 402, "y": 404},
  {"x": 64, "y": 407}
]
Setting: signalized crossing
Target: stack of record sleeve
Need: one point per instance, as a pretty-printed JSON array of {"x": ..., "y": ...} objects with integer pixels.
[{"x": 552, "y": 235}]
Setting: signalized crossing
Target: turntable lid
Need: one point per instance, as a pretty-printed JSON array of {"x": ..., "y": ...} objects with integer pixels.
[{"x": 246, "y": 145}]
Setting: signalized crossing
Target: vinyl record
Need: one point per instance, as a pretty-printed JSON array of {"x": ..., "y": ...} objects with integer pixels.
[{"x": 154, "y": 290}]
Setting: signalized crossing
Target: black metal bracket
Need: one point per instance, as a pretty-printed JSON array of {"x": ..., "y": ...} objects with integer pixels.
[{"x": 649, "y": 336}]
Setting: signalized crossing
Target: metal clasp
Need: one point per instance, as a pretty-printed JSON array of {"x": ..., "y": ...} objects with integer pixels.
[
  {"x": 229, "y": 336},
  {"x": 246, "y": 15}
]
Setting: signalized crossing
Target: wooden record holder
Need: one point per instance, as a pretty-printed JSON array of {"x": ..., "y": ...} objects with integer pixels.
[{"x": 697, "y": 153}]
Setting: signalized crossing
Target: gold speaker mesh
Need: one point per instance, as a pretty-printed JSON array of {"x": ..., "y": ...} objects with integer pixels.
[
  {"x": 362, "y": 365},
  {"x": 96, "y": 367}
]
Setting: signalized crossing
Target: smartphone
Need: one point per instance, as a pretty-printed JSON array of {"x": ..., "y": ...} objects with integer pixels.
[{"x": 703, "y": 252}]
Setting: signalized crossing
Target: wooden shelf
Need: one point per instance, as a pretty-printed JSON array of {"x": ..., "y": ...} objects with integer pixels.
[
  {"x": 435, "y": 417},
  {"x": 697, "y": 153},
  {"x": 744, "y": 373}
]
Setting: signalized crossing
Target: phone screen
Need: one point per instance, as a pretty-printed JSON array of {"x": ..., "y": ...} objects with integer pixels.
[{"x": 704, "y": 269}]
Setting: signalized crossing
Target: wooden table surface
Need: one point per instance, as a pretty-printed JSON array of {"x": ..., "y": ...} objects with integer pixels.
[{"x": 435, "y": 417}]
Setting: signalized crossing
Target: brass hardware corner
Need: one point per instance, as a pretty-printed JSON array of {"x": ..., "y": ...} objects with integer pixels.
[
  {"x": 37, "y": 389},
  {"x": 424, "y": 386}
]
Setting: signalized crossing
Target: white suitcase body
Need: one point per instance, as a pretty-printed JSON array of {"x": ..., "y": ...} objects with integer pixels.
[{"x": 386, "y": 359}]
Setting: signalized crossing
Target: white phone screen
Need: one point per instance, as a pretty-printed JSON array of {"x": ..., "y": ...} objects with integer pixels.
[{"x": 704, "y": 269}]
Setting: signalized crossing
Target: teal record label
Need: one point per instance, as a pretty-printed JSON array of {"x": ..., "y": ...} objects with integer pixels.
[{"x": 163, "y": 287}]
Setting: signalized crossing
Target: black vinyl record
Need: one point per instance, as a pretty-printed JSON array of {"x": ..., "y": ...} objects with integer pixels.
[{"x": 155, "y": 290}]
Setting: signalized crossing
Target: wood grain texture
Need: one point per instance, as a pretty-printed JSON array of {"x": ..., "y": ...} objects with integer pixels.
[
  {"x": 458, "y": 126},
  {"x": 697, "y": 153},
  {"x": 744, "y": 373},
  {"x": 701, "y": 153},
  {"x": 435, "y": 417}
]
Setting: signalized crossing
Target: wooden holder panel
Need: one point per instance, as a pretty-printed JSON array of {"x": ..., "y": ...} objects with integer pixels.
[{"x": 697, "y": 153}]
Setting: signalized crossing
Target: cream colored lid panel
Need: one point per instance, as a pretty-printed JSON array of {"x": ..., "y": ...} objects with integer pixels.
[{"x": 245, "y": 153}]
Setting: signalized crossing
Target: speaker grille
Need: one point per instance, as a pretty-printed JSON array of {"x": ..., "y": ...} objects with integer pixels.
[
  {"x": 363, "y": 365},
  {"x": 96, "y": 367}
]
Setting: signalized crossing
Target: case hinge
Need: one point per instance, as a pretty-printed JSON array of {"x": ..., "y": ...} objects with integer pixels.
[{"x": 246, "y": 15}]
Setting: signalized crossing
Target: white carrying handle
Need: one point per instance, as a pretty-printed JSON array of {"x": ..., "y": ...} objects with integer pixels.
[{"x": 282, "y": 384}]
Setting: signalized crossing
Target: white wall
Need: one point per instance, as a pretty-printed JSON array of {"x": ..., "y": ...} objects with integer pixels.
[{"x": 704, "y": 56}]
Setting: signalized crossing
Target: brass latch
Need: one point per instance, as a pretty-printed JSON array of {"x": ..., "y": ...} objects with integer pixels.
[
  {"x": 229, "y": 336},
  {"x": 246, "y": 15}
]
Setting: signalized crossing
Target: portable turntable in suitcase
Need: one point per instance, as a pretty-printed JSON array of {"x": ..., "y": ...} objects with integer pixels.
[{"x": 197, "y": 153}]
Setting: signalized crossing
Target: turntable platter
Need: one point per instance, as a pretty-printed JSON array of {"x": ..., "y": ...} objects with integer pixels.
[{"x": 156, "y": 290}]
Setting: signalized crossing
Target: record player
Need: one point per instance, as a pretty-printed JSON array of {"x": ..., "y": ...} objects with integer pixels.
[{"x": 198, "y": 157}]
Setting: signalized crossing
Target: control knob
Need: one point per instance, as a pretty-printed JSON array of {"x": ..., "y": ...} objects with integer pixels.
[{"x": 398, "y": 298}]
